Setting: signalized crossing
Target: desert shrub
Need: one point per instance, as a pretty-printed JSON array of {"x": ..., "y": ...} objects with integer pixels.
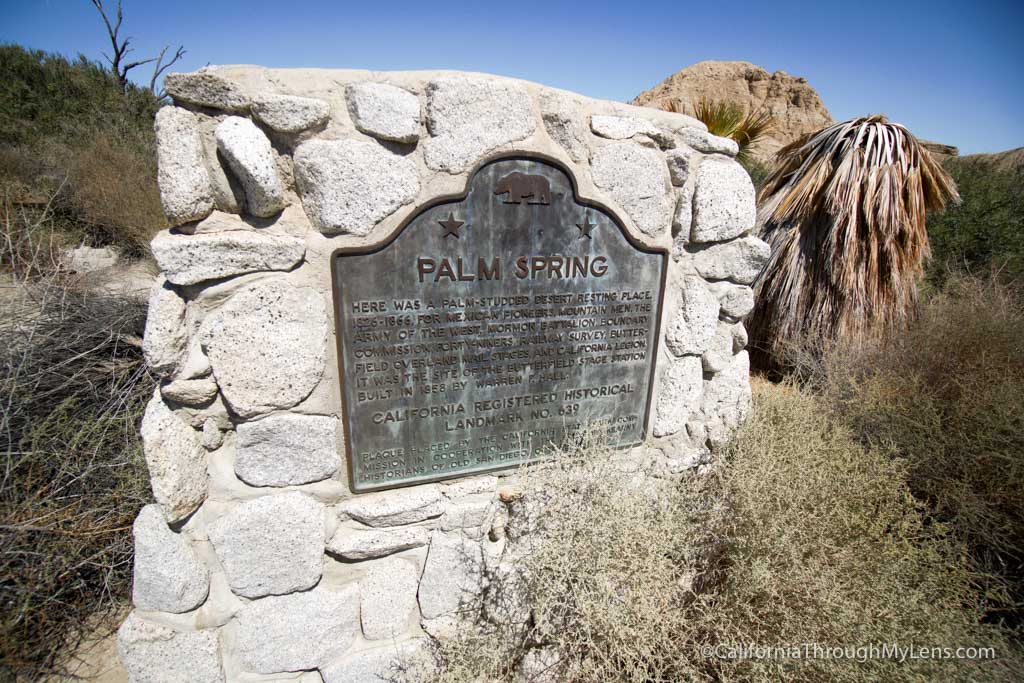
[
  {"x": 70, "y": 133},
  {"x": 72, "y": 389},
  {"x": 985, "y": 231},
  {"x": 801, "y": 536},
  {"x": 946, "y": 397}
]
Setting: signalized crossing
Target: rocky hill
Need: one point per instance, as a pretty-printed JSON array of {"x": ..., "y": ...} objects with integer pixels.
[{"x": 794, "y": 104}]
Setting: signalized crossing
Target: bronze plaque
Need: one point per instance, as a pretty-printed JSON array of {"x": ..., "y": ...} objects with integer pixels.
[{"x": 492, "y": 325}]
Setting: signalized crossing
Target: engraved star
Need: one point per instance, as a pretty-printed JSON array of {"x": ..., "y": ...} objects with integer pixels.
[
  {"x": 585, "y": 227},
  {"x": 451, "y": 226}
]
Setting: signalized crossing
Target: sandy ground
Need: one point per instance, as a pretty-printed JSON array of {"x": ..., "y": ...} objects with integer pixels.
[{"x": 96, "y": 662}]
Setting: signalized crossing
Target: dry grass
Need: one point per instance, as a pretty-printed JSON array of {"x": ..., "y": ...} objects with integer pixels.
[
  {"x": 802, "y": 536},
  {"x": 844, "y": 212},
  {"x": 72, "y": 389}
]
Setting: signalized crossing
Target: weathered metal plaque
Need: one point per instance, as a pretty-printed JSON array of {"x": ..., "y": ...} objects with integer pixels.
[{"x": 491, "y": 326}]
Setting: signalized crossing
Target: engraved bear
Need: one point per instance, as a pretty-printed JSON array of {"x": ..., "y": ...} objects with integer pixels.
[{"x": 533, "y": 189}]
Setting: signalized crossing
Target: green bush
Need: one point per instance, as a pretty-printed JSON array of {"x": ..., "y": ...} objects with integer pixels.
[
  {"x": 986, "y": 231},
  {"x": 801, "y": 536}
]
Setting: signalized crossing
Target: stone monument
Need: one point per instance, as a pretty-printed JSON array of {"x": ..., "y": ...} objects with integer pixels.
[{"x": 382, "y": 294}]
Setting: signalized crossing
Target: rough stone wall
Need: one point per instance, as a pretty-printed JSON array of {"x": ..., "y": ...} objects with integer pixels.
[{"x": 256, "y": 563}]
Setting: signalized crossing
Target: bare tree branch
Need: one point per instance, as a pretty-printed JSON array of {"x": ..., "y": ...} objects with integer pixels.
[{"x": 123, "y": 47}]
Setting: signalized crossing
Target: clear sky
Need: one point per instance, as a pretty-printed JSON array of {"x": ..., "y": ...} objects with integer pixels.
[{"x": 951, "y": 71}]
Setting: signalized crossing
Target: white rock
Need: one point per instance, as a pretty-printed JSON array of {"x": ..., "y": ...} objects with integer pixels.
[
  {"x": 681, "y": 163},
  {"x": 153, "y": 653},
  {"x": 703, "y": 141},
  {"x": 470, "y": 116},
  {"x": 175, "y": 458},
  {"x": 739, "y": 337},
  {"x": 385, "y": 111},
  {"x": 251, "y": 158},
  {"x": 560, "y": 111},
  {"x": 541, "y": 665},
  {"x": 168, "y": 575},
  {"x": 624, "y": 128},
  {"x": 268, "y": 346},
  {"x": 271, "y": 545},
  {"x": 637, "y": 179},
  {"x": 727, "y": 399},
  {"x": 720, "y": 351},
  {"x": 682, "y": 220},
  {"x": 213, "y": 437},
  {"x": 723, "y": 201},
  {"x": 406, "y": 660},
  {"x": 296, "y": 632},
  {"x": 165, "y": 337},
  {"x": 185, "y": 189},
  {"x": 740, "y": 260},
  {"x": 287, "y": 450},
  {"x": 735, "y": 300},
  {"x": 207, "y": 89},
  {"x": 693, "y": 323},
  {"x": 84, "y": 260},
  {"x": 680, "y": 395},
  {"x": 188, "y": 259},
  {"x": 452, "y": 576},
  {"x": 348, "y": 186},
  {"x": 366, "y": 544},
  {"x": 387, "y": 597},
  {"x": 467, "y": 487},
  {"x": 394, "y": 508},
  {"x": 471, "y": 513},
  {"x": 190, "y": 392},
  {"x": 290, "y": 114}
]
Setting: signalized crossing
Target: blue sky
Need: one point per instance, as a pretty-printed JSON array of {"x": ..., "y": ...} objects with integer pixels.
[{"x": 951, "y": 71}]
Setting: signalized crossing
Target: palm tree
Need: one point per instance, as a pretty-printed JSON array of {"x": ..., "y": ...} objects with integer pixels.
[
  {"x": 844, "y": 212},
  {"x": 728, "y": 120}
]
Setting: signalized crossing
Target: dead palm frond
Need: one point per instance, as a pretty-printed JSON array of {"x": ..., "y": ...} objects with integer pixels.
[
  {"x": 728, "y": 120},
  {"x": 844, "y": 212}
]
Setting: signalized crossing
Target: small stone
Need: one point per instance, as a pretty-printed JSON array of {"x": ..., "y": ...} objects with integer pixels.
[
  {"x": 637, "y": 179},
  {"x": 703, "y": 141},
  {"x": 387, "y": 596},
  {"x": 206, "y": 89},
  {"x": 296, "y": 632},
  {"x": 682, "y": 220},
  {"x": 271, "y": 545},
  {"x": 384, "y": 111},
  {"x": 213, "y": 437},
  {"x": 560, "y": 111},
  {"x": 471, "y": 513},
  {"x": 84, "y": 260},
  {"x": 268, "y": 346},
  {"x": 723, "y": 201},
  {"x": 681, "y": 386},
  {"x": 251, "y": 158},
  {"x": 740, "y": 260},
  {"x": 348, "y": 186},
  {"x": 175, "y": 458},
  {"x": 541, "y": 665},
  {"x": 366, "y": 544},
  {"x": 452, "y": 576},
  {"x": 185, "y": 189},
  {"x": 720, "y": 351},
  {"x": 168, "y": 575},
  {"x": 394, "y": 508},
  {"x": 680, "y": 165},
  {"x": 693, "y": 323},
  {"x": 290, "y": 114},
  {"x": 624, "y": 128},
  {"x": 154, "y": 653},
  {"x": 189, "y": 259},
  {"x": 165, "y": 337},
  {"x": 727, "y": 399},
  {"x": 407, "y": 660},
  {"x": 735, "y": 300},
  {"x": 190, "y": 392},
  {"x": 470, "y": 116},
  {"x": 287, "y": 450}
]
